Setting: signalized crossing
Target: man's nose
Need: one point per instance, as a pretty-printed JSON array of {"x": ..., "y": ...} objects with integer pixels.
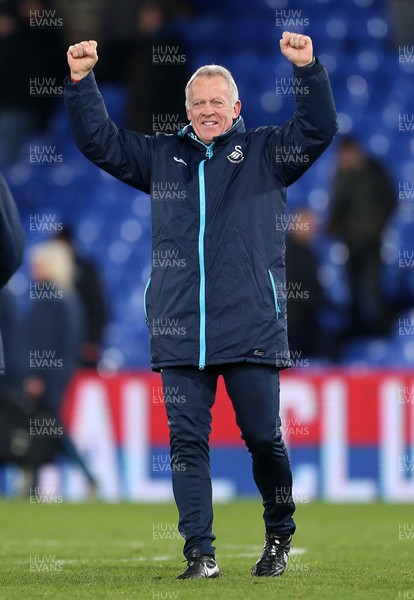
[{"x": 208, "y": 109}]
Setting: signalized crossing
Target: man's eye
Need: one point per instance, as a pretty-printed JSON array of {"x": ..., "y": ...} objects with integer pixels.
[{"x": 218, "y": 103}]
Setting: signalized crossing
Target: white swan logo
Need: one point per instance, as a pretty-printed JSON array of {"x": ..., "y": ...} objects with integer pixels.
[{"x": 236, "y": 156}]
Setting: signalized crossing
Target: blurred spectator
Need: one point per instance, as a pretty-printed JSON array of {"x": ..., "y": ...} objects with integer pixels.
[
  {"x": 30, "y": 72},
  {"x": 156, "y": 72},
  {"x": 82, "y": 20},
  {"x": 402, "y": 19},
  {"x": 91, "y": 294},
  {"x": 53, "y": 331},
  {"x": 303, "y": 290},
  {"x": 106, "y": 20},
  {"x": 363, "y": 200}
]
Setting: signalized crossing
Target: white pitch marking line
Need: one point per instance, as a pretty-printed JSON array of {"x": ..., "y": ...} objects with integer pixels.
[
  {"x": 50, "y": 542},
  {"x": 100, "y": 561}
]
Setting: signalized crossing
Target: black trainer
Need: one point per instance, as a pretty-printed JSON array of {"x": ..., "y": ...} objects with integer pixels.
[
  {"x": 274, "y": 558},
  {"x": 200, "y": 567}
]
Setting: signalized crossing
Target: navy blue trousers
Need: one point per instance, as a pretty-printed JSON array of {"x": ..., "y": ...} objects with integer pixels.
[{"x": 254, "y": 391}]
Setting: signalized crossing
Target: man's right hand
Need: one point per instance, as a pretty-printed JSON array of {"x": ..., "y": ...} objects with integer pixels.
[{"x": 82, "y": 58}]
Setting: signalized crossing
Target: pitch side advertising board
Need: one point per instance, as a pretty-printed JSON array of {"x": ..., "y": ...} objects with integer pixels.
[{"x": 350, "y": 437}]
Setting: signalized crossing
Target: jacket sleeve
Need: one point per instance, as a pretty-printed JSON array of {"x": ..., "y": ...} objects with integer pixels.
[
  {"x": 123, "y": 153},
  {"x": 11, "y": 235},
  {"x": 299, "y": 142}
]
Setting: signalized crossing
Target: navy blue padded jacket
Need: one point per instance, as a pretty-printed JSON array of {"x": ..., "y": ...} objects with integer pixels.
[
  {"x": 11, "y": 242},
  {"x": 218, "y": 251}
]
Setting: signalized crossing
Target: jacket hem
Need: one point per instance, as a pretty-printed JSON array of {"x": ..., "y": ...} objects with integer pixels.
[{"x": 279, "y": 364}]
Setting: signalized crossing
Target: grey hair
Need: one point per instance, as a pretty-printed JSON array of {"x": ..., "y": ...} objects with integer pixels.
[
  {"x": 214, "y": 71},
  {"x": 55, "y": 260}
]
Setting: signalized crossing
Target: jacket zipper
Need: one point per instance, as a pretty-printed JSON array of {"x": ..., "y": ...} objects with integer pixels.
[
  {"x": 202, "y": 294},
  {"x": 276, "y": 301}
]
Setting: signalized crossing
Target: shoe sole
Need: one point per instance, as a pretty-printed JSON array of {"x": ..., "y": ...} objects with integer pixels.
[{"x": 217, "y": 575}]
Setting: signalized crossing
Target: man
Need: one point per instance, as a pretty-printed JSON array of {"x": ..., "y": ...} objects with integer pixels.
[
  {"x": 363, "y": 200},
  {"x": 59, "y": 326},
  {"x": 11, "y": 242},
  {"x": 92, "y": 296},
  {"x": 214, "y": 309}
]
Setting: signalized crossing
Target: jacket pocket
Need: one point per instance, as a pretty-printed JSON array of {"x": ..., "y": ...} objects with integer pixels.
[
  {"x": 275, "y": 299},
  {"x": 145, "y": 300}
]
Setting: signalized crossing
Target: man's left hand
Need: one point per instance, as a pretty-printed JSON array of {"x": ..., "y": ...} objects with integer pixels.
[{"x": 297, "y": 48}]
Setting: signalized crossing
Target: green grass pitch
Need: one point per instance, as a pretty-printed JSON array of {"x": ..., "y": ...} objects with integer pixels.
[{"x": 98, "y": 551}]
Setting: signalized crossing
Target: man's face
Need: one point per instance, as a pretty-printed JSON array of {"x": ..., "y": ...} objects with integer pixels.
[
  {"x": 210, "y": 109},
  {"x": 350, "y": 158}
]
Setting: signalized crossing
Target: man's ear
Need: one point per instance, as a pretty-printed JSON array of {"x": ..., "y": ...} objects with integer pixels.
[{"x": 237, "y": 109}]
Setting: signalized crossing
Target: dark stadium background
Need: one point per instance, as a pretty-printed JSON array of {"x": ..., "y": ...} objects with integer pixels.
[{"x": 363, "y": 44}]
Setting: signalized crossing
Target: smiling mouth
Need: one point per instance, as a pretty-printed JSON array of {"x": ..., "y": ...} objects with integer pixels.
[{"x": 209, "y": 123}]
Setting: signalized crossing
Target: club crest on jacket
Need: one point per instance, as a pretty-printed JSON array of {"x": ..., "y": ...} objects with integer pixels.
[{"x": 236, "y": 156}]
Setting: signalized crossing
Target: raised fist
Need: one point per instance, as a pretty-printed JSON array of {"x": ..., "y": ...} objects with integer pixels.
[
  {"x": 297, "y": 48},
  {"x": 82, "y": 58}
]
